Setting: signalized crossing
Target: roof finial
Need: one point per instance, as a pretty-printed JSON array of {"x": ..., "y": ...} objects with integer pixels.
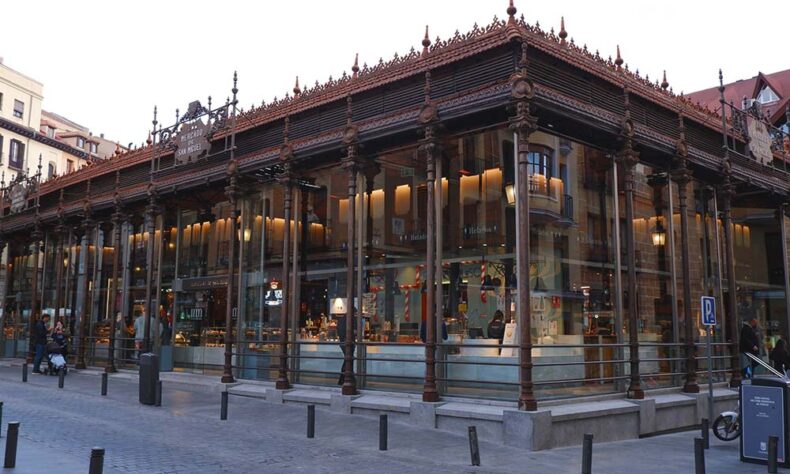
[
  {"x": 355, "y": 67},
  {"x": 664, "y": 83},
  {"x": 148, "y": 140},
  {"x": 563, "y": 33},
  {"x": 117, "y": 149},
  {"x": 297, "y": 90},
  {"x": 619, "y": 60},
  {"x": 511, "y": 13},
  {"x": 426, "y": 42}
]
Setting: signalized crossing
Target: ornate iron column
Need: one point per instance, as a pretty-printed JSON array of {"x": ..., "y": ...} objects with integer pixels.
[
  {"x": 628, "y": 159},
  {"x": 232, "y": 192},
  {"x": 151, "y": 210},
  {"x": 351, "y": 166},
  {"x": 88, "y": 225},
  {"x": 682, "y": 176},
  {"x": 61, "y": 234},
  {"x": 286, "y": 181},
  {"x": 727, "y": 193},
  {"x": 117, "y": 221},
  {"x": 36, "y": 235},
  {"x": 430, "y": 151},
  {"x": 524, "y": 124}
]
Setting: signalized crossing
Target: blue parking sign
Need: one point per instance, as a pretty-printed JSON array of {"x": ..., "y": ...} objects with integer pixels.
[{"x": 708, "y": 304}]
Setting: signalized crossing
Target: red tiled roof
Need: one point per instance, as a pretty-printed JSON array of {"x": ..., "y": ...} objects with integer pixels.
[{"x": 779, "y": 82}]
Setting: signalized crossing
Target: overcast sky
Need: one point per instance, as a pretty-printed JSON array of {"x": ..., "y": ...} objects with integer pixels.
[{"x": 105, "y": 64}]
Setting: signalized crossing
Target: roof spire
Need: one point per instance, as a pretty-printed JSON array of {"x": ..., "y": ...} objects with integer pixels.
[
  {"x": 664, "y": 83},
  {"x": 297, "y": 90},
  {"x": 619, "y": 60},
  {"x": 563, "y": 33},
  {"x": 511, "y": 13},
  {"x": 426, "y": 42},
  {"x": 355, "y": 67}
]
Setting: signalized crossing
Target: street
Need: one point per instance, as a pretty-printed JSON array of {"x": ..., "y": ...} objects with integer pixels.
[{"x": 60, "y": 426}]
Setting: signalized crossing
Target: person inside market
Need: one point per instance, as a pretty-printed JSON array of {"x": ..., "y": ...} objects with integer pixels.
[
  {"x": 496, "y": 328},
  {"x": 780, "y": 357},
  {"x": 749, "y": 344}
]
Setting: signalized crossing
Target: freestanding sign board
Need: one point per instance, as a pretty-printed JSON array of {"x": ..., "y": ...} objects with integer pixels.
[{"x": 764, "y": 404}]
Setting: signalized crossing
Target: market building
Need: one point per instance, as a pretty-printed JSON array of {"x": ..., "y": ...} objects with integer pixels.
[{"x": 504, "y": 174}]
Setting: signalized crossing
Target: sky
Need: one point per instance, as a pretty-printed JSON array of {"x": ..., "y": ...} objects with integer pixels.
[{"x": 105, "y": 64}]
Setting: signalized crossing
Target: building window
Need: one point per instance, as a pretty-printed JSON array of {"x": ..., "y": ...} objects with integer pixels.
[
  {"x": 767, "y": 95},
  {"x": 52, "y": 170},
  {"x": 94, "y": 147},
  {"x": 1, "y": 101},
  {"x": 19, "y": 109},
  {"x": 80, "y": 143},
  {"x": 16, "y": 155},
  {"x": 50, "y": 131},
  {"x": 69, "y": 166},
  {"x": 541, "y": 162}
]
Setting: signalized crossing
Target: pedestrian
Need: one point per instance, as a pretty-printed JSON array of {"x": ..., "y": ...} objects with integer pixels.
[
  {"x": 122, "y": 334},
  {"x": 749, "y": 344},
  {"x": 40, "y": 333},
  {"x": 780, "y": 357}
]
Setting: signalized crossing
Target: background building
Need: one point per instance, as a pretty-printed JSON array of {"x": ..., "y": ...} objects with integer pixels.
[{"x": 27, "y": 132}]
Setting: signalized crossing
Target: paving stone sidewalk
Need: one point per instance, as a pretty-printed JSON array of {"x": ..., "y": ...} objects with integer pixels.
[{"x": 59, "y": 427}]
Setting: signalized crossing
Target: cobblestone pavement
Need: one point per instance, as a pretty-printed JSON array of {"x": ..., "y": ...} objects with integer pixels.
[{"x": 59, "y": 427}]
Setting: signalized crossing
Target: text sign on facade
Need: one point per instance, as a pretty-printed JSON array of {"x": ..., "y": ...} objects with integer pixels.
[
  {"x": 191, "y": 142},
  {"x": 708, "y": 305}
]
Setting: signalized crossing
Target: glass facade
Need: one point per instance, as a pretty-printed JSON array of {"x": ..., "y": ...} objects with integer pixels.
[{"x": 578, "y": 271}]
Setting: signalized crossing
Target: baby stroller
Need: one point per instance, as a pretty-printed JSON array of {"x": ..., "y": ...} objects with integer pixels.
[{"x": 55, "y": 360}]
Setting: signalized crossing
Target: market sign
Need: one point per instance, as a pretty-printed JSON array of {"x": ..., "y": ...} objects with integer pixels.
[
  {"x": 191, "y": 142},
  {"x": 759, "y": 141},
  {"x": 202, "y": 283}
]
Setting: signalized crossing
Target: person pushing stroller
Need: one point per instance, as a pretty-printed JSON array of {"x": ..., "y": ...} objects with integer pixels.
[{"x": 57, "y": 349}]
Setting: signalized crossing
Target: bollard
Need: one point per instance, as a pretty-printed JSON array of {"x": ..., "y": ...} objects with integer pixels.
[
  {"x": 311, "y": 421},
  {"x": 705, "y": 432},
  {"x": 474, "y": 448},
  {"x": 587, "y": 445},
  {"x": 223, "y": 407},
  {"x": 97, "y": 461},
  {"x": 104, "y": 384},
  {"x": 24, "y": 372},
  {"x": 12, "y": 435},
  {"x": 773, "y": 442},
  {"x": 1, "y": 419},
  {"x": 158, "y": 394},
  {"x": 61, "y": 378},
  {"x": 699, "y": 456},
  {"x": 382, "y": 432}
]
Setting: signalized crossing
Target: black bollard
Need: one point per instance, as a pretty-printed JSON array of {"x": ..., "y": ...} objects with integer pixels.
[
  {"x": 474, "y": 448},
  {"x": 699, "y": 456},
  {"x": 97, "y": 461},
  {"x": 311, "y": 421},
  {"x": 382, "y": 432},
  {"x": 223, "y": 407},
  {"x": 773, "y": 442},
  {"x": 12, "y": 436},
  {"x": 587, "y": 445},
  {"x": 705, "y": 432},
  {"x": 158, "y": 394},
  {"x": 104, "y": 384},
  {"x": 24, "y": 372},
  {"x": 1, "y": 419},
  {"x": 61, "y": 378}
]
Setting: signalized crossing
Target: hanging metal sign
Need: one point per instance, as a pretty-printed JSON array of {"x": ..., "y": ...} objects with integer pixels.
[
  {"x": 192, "y": 142},
  {"x": 759, "y": 140}
]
